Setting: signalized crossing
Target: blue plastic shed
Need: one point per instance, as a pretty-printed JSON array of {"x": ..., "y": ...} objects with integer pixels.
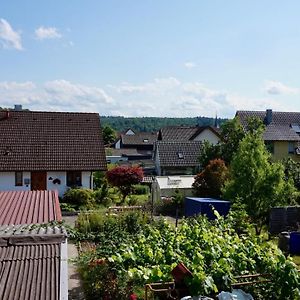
[{"x": 203, "y": 206}]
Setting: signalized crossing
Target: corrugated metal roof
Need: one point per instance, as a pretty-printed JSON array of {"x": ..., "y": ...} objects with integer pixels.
[
  {"x": 30, "y": 271},
  {"x": 29, "y": 207}
]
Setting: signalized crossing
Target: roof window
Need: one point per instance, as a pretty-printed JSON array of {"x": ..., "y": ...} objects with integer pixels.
[
  {"x": 295, "y": 127},
  {"x": 146, "y": 140},
  {"x": 180, "y": 155}
]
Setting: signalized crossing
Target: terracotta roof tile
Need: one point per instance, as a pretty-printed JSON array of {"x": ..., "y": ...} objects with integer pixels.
[{"x": 51, "y": 141}]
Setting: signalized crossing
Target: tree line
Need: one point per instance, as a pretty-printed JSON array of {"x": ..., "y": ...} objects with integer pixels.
[{"x": 120, "y": 123}]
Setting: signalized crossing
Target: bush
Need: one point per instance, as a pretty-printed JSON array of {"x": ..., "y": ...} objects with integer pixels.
[
  {"x": 67, "y": 207},
  {"x": 102, "y": 195},
  {"x": 140, "y": 189},
  {"x": 79, "y": 197}
]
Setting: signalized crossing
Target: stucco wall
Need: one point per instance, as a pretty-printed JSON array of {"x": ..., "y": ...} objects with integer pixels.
[
  {"x": 281, "y": 151},
  {"x": 207, "y": 135},
  {"x": 7, "y": 181}
]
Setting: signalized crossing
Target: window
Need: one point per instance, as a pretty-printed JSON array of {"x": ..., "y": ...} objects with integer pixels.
[
  {"x": 291, "y": 148},
  {"x": 18, "y": 178},
  {"x": 146, "y": 140},
  {"x": 180, "y": 155},
  {"x": 74, "y": 178}
]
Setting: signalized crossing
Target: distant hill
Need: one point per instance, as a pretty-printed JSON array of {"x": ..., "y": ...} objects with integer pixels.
[{"x": 154, "y": 123}]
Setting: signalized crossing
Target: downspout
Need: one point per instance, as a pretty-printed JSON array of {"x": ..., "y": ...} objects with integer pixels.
[{"x": 91, "y": 181}]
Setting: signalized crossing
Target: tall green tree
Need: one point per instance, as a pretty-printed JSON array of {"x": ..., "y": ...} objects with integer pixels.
[
  {"x": 255, "y": 181},
  {"x": 232, "y": 132},
  {"x": 109, "y": 135}
]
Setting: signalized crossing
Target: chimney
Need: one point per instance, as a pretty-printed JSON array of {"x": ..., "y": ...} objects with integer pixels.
[
  {"x": 18, "y": 107},
  {"x": 269, "y": 116},
  {"x": 7, "y": 114}
]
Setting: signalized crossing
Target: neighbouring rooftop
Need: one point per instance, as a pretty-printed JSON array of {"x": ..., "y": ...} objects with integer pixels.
[
  {"x": 50, "y": 141},
  {"x": 29, "y": 207}
]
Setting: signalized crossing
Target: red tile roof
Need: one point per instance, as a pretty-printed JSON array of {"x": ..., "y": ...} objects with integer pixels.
[
  {"x": 50, "y": 141},
  {"x": 29, "y": 207}
]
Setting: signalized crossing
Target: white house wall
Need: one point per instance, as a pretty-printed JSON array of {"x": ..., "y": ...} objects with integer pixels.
[
  {"x": 7, "y": 182},
  {"x": 207, "y": 135},
  {"x": 62, "y": 187}
]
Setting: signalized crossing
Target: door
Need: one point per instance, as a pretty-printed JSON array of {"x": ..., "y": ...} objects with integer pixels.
[{"x": 38, "y": 181}]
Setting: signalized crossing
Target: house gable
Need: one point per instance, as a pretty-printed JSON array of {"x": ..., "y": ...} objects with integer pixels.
[{"x": 207, "y": 134}]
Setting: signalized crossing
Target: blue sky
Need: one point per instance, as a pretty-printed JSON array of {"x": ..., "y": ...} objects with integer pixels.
[{"x": 150, "y": 58}]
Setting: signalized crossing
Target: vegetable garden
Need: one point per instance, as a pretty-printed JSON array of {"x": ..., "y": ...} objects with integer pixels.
[{"x": 130, "y": 250}]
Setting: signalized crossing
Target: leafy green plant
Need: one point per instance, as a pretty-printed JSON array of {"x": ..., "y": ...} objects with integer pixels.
[
  {"x": 213, "y": 251},
  {"x": 140, "y": 189},
  {"x": 67, "y": 207},
  {"x": 79, "y": 196}
]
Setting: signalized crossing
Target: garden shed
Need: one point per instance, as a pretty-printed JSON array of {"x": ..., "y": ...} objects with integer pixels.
[
  {"x": 203, "y": 206},
  {"x": 165, "y": 186}
]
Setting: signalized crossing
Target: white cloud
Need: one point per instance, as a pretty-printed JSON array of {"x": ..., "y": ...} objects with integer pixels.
[
  {"x": 43, "y": 33},
  {"x": 159, "y": 97},
  {"x": 57, "y": 95},
  {"x": 278, "y": 88},
  {"x": 190, "y": 65},
  {"x": 64, "y": 91},
  {"x": 9, "y": 38}
]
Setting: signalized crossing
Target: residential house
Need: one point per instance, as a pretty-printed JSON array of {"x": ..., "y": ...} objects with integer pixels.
[
  {"x": 190, "y": 133},
  {"x": 142, "y": 142},
  {"x": 282, "y": 132},
  {"x": 178, "y": 148},
  {"x": 49, "y": 150},
  {"x": 177, "y": 157}
]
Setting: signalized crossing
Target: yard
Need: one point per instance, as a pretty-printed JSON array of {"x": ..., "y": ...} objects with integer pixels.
[{"x": 130, "y": 250}]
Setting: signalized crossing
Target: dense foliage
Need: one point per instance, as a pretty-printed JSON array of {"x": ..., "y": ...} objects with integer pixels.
[
  {"x": 232, "y": 133},
  {"x": 255, "y": 181},
  {"x": 154, "y": 123},
  {"x": 210, "y": 181},
  {"x": 124, "y": 177},
  {"x": 123, "y": 262},
  {"x": 79, "y": 197},
  {"x": 292, "y": 171},
  {"x": 109, "y": 135}
]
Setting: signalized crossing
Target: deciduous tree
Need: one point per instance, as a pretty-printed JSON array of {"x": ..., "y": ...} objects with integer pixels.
[
  {"x": 124, "y": 177},
  {"x": 210, "y": 181},
  {"x": 255, "y": 181}
]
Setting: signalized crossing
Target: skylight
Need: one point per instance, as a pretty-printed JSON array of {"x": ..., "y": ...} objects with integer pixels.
[
  {"x": 180, "y": 155},
  {"x": 295, "y": 127}
]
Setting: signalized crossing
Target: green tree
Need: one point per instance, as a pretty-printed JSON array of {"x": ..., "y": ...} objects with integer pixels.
[
  {"x": 292, "y": 171},
  {"x": 232, "y": 132},
  {"x": 255, "y": 181},
  {"x": 109, "y": 135}
]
